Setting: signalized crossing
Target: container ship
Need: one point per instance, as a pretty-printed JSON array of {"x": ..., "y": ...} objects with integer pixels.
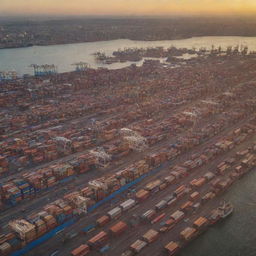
[{"x": 222, "y": 212}]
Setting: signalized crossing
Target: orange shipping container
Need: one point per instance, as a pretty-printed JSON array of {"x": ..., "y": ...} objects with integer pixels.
[
  {"x": 172, "y": 248},
  {"x": 151, "y": 236},
  {"x": 200, "y": 223},
  {"x": 170, "y": 223},
  {"x": 158, "y": 218},
  {"x": 103, "y": 220},
  {"x": 142, "y": 195},
  {"x": 195, "y": 196},
  {"x": 186, "y": 206},
  {"x": 180, "y": 191},
  {"x": 118, "y": 228},
  {"x": 82, "y": 250},
  {"x": 99, "y": 239}
]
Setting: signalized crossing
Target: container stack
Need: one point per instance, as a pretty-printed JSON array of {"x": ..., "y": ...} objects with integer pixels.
[{"x": 25, "y": 230}]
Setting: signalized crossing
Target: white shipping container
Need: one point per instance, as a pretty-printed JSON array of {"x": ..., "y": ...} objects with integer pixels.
[
  {"x": 128, "y": 204},
  {"x": 115, "y": 212},
  {"x": 209, "y": 176},
  {"x": 148, "y": 214},
  {"x": 172, "y": 201},
  {"x": 161, "y": 205}
]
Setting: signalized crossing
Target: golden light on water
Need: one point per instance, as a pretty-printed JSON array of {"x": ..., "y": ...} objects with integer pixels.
[{"x": 129, "y": 7}]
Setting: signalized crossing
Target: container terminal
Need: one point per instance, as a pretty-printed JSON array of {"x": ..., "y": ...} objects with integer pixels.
[{"x": 123, "y": 162}]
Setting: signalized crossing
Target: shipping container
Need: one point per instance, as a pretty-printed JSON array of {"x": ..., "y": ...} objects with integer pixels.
[
  {"x": 128, "y": 204},
  {"x": 158, "y": 218},
  {"x": 161, "y": 205},
  {"x": 82, "y": 250},
  {"x": 180, "y": 191},
  {"x": 188, "y": 233},
  {"x": 5, "y": 249},
  {"x": 25, "y": 230},
  {"x": 172, "y": 248},
  {"x": 169, "y": 198},
  {"x": 209, "y": 176},
  {"x": 172, "y": 201},
  {"x": 198, "y": 182},
  {"x": 187, "y": 206},
  {"x": 201, "y": 223},
  {"x": 118, "y": 228},
  {"x": 153, "y": 186},
  {"x": 102, "y": 221},
  {"x": 177, "y": 216},
  {"x": 151, "y": 236},
  {"x": 115, "y": 213},
  {"x": 138, "y": 245},
  {"x": 170, "y": 179},
  {"x": 99, "y": 240},
  {"x": 148, "y": 215},
  {"x": 142, "y": 194},
  {"x": 208, "y": 196},
  {"x": 170, "y": 223},
  {"x": 194, "y": 196}
]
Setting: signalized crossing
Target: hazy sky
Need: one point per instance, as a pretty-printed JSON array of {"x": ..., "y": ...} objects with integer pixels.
[{"x": 127, "y": 7}]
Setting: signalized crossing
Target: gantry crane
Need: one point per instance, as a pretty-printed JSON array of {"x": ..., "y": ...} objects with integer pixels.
[
  {"x": 42, "y": 70},
  {"x": 81, "y": 66}
]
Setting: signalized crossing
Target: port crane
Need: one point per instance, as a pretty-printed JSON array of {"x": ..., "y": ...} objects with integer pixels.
[
  {"x": 8, "y": 75},
  {"x": 81, "y": 66},
  {"x": 42, "y": 70}
]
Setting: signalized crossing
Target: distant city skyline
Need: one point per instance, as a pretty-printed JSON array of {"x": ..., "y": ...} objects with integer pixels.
[{"x": 127, "y": 7}]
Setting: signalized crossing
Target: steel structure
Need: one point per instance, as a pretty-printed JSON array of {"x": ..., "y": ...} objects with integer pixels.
[
  {"x": 8, "y": 75},
  {"x": 42, "y": 70},
  {"x": 81, "y": 66}
]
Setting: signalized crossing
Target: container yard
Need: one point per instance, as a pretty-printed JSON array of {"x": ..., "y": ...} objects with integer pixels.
[{"x": 133, "y": 161}]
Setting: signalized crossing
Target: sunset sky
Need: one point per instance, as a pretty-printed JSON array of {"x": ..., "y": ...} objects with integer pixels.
[{"x": 127, "y": 7}]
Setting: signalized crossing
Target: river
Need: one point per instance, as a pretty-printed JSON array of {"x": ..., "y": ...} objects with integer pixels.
[{"x": 63, "y": 56}]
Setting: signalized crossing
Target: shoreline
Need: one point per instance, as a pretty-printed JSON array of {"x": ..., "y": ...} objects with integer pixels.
[
  {"x": 114, "y": 39},
  {"x": 107, "y": 40}
]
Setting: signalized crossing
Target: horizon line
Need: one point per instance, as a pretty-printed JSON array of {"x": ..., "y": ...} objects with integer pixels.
[{"x": 27, "y": 15}]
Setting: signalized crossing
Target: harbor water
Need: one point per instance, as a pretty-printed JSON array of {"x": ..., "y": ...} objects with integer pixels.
[
  {"x": 63, "y": 56},
  {"x": 236, "y": 235}
]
